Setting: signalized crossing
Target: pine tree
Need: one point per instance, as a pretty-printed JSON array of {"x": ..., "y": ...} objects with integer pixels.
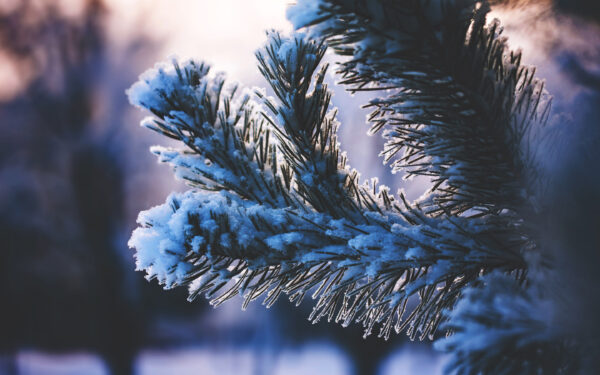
[{"x": 275, "y": 209}]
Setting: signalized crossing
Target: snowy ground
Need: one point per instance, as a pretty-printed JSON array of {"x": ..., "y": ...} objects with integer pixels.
[{"x": 314, "y": 359}]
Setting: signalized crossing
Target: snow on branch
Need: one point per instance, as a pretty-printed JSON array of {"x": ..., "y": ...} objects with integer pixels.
[
  {"x": 275, "y": 209},
  {"x": 288, "y": 216},
  {"x": 500, "y": 326},
  {"x": 223, "y": 245},
  {"x": 306, "y": 126},
  {"x": 228, "y": 145}
]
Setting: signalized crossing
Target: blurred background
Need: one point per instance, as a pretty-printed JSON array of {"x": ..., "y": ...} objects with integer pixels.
[{"x": 75, "y": 170}]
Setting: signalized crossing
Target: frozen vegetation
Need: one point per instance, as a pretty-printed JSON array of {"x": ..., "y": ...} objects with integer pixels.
[{"x": 275, "y": 209}]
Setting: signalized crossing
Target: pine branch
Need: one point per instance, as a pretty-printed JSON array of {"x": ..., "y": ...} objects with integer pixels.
[
  {"x": 316, "y": 226},
  {"x": 306, "y": 127},
  {"x": 502, "y": 327},
  {"x": 222, "y": 245},
  {"x": 285, "y": 215},
  {"x": 461, "y": 106},
  {"x": 228, "y": 146}
]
